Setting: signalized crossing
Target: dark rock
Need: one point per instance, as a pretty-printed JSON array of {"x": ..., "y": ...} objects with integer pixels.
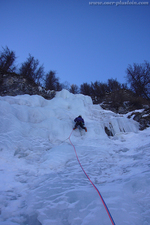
[
  {"x": 142, "y": 117},
  {"x": 13, "y": 84},
  {"x": 108, "y": 132},
  {"x": 123, "y": 101}
]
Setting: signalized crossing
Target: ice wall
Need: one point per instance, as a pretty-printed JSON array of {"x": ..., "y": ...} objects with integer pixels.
[{"x": 35, "y": 117}]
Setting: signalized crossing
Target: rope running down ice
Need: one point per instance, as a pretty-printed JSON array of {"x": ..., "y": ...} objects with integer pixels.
[{"x": 107, "y": 210}]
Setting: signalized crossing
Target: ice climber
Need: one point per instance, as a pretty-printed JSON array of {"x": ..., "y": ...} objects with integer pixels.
[{"x": 79, "y": 122}]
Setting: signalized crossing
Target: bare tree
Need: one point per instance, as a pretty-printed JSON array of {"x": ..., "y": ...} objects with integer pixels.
[
  {"x": 7, "y": 60},
  {"x": 74, "y": 89},
  {"x": 138, "y": 77},
  {"x": 52, "y": 82},
  {"x": 32, "y": 70},
  {"x": 113, "y": 85},
  {"x": 98, "y": 91},
  {"x": 85, "y": 89}
]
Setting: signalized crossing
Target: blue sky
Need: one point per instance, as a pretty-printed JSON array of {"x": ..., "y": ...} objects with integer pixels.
[{"x": 82, "y": 43}]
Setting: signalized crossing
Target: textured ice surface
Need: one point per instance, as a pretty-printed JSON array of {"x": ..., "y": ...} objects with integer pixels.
[{"x": 41, "y": 180}]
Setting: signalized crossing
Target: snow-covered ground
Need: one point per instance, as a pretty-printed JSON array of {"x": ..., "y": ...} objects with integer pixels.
[{"x": 41, "y": 180}]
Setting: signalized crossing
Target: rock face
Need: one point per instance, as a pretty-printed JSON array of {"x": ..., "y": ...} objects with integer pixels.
[
  {"x": 124, "y": 101},
  {"x": 13, "y": 84},
  {"x": 143, "y": 117}
]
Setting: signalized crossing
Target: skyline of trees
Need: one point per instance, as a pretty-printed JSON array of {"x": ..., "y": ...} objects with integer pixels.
[{"x": 138, "y": 77}]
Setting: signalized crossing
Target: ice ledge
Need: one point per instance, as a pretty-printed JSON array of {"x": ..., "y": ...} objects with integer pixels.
[{"x": 65, "y": 94}]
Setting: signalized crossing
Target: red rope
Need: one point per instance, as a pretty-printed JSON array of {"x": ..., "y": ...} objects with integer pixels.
[{"x": 107, "y": 210}]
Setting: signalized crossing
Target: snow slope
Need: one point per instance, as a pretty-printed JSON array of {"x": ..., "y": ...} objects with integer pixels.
[{"x": 41, "y": 180}]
